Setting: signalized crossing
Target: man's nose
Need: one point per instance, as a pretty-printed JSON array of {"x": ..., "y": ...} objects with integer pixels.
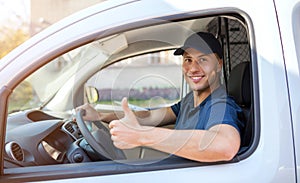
[{"x": 195, "y": 66}]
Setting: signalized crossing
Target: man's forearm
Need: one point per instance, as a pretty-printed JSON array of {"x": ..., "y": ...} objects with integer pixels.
[
  {"x": 199, "y": 145},
  {"x": 157, "y": 117},
  {"x": 108, "y": 117}
]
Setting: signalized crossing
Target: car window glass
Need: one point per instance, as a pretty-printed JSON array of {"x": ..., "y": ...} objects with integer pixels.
[
  {"x": 43, "y": 84},
  {"x": 148, "y": 81}
]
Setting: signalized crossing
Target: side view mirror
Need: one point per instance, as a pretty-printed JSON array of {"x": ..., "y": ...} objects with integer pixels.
[{"x": 92, "y": 94}]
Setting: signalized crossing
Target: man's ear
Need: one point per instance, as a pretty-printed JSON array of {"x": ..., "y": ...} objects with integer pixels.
[{"x": 220, "y": 65}]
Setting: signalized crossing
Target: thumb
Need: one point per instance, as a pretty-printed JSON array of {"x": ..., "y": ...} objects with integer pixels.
[
  {"x": 129, "y": 117},
  {"x": 125, "y": 107}
]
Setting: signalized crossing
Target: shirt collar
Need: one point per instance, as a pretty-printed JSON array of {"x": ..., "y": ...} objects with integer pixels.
[{"x": 220, "y": 92}]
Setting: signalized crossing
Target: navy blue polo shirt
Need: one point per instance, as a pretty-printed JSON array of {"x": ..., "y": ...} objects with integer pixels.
[{"x": 217, "y": 108}]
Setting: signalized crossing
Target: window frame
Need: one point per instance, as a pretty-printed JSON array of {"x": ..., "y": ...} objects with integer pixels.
[{"x": 53, "y": 172}]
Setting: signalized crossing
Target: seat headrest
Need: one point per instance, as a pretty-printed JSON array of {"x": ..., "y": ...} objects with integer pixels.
[{"x": 239, "y": 86}]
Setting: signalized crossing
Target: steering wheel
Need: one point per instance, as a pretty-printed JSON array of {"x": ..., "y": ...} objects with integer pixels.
[{"x": 102, "y": 143}]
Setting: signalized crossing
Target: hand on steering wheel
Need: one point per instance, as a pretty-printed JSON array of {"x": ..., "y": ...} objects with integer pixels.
[{"x": 102, "y": 143}]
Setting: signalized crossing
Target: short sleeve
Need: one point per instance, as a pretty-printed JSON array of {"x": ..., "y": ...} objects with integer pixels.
[
  {"x": 176, "y": 108},
  {"x": 224, "y": 112}
]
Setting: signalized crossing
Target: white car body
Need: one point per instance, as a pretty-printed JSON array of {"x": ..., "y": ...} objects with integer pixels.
[{"x": 274, "y": 32}]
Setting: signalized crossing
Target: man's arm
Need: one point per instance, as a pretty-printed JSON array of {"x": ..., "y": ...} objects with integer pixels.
[
  {"x": 219, "y": 143},
  {"x": 158, "y": 117}
]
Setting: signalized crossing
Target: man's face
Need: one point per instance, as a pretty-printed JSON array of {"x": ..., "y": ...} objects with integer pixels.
[{"x": 201, "y": 70}]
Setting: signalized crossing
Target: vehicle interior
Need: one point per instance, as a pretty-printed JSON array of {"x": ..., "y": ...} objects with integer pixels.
[{"x": 137, "y": 63}]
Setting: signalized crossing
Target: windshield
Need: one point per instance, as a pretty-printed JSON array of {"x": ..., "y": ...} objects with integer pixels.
[{"x": 43, "y": 84}]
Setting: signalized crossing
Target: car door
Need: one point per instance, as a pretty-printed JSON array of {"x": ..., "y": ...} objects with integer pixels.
[{"x": 288, "y": 21}]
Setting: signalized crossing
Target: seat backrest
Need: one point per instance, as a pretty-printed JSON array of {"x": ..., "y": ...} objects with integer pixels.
[{"x": 239, "y": 87}]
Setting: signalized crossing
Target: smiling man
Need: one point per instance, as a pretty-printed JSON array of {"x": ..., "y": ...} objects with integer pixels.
[{"x": 207, "y": 127}]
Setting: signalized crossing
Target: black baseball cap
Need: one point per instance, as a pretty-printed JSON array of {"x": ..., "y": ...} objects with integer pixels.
[{"x": 202, "y": 41}]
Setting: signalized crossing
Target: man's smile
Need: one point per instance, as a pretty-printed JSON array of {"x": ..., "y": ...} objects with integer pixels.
[{"x": 196, "y": 79}]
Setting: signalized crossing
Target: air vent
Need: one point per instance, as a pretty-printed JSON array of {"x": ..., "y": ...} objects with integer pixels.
[
  {"x": 14, "y": 151},
  {"x": 69, "y": 128}
]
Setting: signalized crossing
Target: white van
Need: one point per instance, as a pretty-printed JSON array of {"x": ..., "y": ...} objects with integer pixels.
[{"x": 125, "y": 48}]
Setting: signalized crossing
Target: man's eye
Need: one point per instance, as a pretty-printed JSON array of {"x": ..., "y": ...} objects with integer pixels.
[
  {"x": 187, "y": 60},
  {"x": 202, "y": 60}
]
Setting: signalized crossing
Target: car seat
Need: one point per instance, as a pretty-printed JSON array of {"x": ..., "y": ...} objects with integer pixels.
[{"x": 239, "y": 87}]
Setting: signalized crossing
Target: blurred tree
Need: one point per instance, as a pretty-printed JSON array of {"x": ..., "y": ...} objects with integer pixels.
[{"x": 11, "y": 39}]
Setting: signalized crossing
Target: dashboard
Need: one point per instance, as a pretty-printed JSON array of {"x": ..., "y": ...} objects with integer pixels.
[{"x": 37, "y": 138}]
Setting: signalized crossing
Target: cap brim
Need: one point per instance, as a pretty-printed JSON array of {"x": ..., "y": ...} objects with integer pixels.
[{"x": 179, "y": 51}]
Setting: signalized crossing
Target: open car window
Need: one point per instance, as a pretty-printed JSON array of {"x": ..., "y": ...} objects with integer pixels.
[
  {"x": 136, "y": 64},
  {"x": 149, "y": 81}
]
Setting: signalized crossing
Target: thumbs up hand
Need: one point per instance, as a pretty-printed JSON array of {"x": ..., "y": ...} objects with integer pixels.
[{"x": 126, "y": 132}]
